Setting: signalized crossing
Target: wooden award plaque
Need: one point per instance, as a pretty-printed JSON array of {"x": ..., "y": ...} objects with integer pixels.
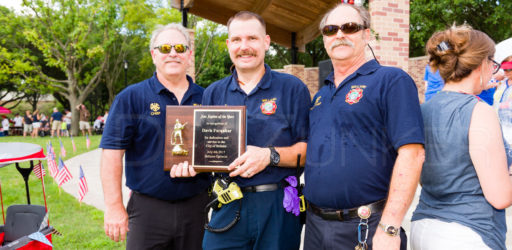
[{"x": 208, "y": 137}]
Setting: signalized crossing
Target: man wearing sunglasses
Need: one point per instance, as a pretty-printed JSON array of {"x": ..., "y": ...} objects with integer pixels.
[
  {"x": 277, "y": 117},
  {"x": 365, "y": 147},
  {"x": 162, "y": 213}
]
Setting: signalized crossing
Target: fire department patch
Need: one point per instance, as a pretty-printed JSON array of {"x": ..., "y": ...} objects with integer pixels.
[
  {"x": 268, "y": 107},
  {"x": 354, "y": 95}
]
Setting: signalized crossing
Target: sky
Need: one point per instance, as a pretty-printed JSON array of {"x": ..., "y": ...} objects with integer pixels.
[{"x": 16, "y": 4}]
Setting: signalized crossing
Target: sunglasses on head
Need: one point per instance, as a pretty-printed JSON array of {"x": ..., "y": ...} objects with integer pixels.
[
  {"x": 347, "y": 28},
  {"x": 166, "y": 48}
]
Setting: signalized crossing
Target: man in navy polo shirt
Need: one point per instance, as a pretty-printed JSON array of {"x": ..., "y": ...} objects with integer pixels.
[
  {"x": 55, "y": 121},
  {"x": 277, "y": 123},
  {"x": 365, "y": 148},
  {"x": 162, "y": 213}
]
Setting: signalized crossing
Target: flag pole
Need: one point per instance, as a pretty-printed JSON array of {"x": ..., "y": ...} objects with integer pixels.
[
  {"x": 2, "y": 201},
  {"x": 44, "y": 192}
]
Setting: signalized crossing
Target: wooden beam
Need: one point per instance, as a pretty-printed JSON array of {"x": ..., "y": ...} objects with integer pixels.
[
  {"x": 310, "y": 32},
  {"x": 261, "y": 6},
  {"x": 177, "y": 3},
  {"x": 212, "y": 12}
]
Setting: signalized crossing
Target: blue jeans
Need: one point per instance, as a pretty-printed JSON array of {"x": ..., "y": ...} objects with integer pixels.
[{"x": 263, "y": 224}]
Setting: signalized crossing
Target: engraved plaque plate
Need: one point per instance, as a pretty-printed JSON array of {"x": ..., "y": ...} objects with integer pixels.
[{"x": 208, "y": 137}]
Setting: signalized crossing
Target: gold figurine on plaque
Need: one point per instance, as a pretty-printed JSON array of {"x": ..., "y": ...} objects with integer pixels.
[{"x": 178, "y": 147}]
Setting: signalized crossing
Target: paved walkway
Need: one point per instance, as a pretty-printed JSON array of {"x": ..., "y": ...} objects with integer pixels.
[{"x": 91, "y": 165}]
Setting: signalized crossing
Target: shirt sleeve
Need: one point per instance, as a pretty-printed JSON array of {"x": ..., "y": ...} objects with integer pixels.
[
  {"x": 404, "y": 122},
  {"x": 425, "y": 77},
  {"x": 300, "y": 110},
  {"x": 207, "y": 94},
  {"x": 120, "y": 129}
]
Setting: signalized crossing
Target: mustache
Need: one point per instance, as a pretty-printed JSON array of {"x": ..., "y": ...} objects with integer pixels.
[
  {"x": 247, "y": 53},
  {"x": 342, "y": 42}
]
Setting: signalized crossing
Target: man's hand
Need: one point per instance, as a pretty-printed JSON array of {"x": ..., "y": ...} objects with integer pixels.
[
  {"x": 383, "y": 241},
  {"x": 253, "y": 161},
  {"x": 116, "y": 223},
  {"x": 115, "y": 218},
  {"x": 182, "y": 170}
]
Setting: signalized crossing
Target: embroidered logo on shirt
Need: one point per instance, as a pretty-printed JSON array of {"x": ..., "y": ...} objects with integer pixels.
[
  {"x": 317, "y": 102},
  {"x": 155, "y": 107},
  {"x": 268, "y": 107},
  {"x": 354, "y": 95}
]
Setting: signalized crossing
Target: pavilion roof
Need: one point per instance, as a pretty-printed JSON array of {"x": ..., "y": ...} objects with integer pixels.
[{"x": 283, "y": 17}]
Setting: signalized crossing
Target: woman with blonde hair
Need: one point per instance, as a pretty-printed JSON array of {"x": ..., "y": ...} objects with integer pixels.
[{"x": 465, "y": 179}]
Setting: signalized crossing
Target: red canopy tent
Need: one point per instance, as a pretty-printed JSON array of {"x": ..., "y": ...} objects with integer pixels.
[{"x": 4, "y": 110}]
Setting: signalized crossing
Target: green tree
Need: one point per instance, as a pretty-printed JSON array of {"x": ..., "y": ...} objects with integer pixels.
[
  {"x": 490, "y": 16},
  {"x": 279, "y": 56},
  {"x": 73, "y": 37},
  {"x": 18, "y": 78},
  {"x": 212, "y": 60}
]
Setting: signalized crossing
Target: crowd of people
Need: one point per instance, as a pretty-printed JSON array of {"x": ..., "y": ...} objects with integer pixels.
[
  {"x": 37, "y": 124},
  {"x": 368, "y": 144}
]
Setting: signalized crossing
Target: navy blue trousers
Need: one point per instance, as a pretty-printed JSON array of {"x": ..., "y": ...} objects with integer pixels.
[
  {"x": 263, "y": 224},
  {"x": 340, "y": 235},
  {"x": 158, "y": 224}
]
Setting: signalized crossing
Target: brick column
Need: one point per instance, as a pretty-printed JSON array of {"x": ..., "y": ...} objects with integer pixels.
[
  {"x": 390, "y": 19},
  {"x": 191, "y": 71},
  {"x": 311, "y": 80},
  {"x": 417, "y": 72},
  {"x": 296, "y": 70}
]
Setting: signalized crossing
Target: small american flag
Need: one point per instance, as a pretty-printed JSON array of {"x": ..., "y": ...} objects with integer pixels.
[
  {"x": 73, "y": 143},
  {"x": 39, "y": 170},
  {"x": 62, "y": 149},
  {"x": 82, "y": 185},
  {"x": 50, "y": 160},
  {"x": 63, "y": 175},
  {"x": 87, "y": 141}
]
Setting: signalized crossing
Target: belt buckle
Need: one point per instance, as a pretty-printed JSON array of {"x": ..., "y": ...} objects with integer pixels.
[
  {"x": 364, "y": 212},
  {"x": 339, "y": 213}
]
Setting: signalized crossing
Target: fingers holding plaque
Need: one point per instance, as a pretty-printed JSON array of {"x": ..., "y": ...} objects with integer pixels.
[{"x": 208, "y": 137}]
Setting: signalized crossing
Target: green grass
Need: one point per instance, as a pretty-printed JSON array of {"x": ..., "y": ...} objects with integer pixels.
[{"x": 81, "y": 225}]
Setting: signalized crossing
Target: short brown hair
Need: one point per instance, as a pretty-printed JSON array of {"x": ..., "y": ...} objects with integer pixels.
[
  {"x": 457, "y": 51},
  {"x": 247, "y": 15}
]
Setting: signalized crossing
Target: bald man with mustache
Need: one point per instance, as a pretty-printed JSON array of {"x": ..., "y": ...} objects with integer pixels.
[{"x": 365, "y": 147}]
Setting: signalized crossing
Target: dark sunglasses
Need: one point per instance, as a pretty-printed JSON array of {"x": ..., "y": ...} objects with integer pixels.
[
  {"x": 506, "y": 70},
  {"x": 347, "y": 28},
  {"x": 495, "y": 66},
  {"x": 166, "y": 48}
]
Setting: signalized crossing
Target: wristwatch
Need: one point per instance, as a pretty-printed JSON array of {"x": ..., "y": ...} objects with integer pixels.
[
  {"x": 274, "y": 157},
  {"x": 390, "y": 230}
]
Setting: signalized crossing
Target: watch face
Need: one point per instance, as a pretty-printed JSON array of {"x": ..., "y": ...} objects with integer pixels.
[
  {"x": 275, "y": 158},
  {"x": 391, "y": 230}
]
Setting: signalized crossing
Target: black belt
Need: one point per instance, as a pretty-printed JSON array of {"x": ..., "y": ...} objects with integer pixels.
[
  {"x": 260, "y": 188},
  {"x": 345, "y": 214}
]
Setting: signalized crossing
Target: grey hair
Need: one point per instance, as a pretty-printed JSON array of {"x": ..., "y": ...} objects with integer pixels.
[
  {"x": 172, "y": 26},
  {"x": 363, "y": 13}
]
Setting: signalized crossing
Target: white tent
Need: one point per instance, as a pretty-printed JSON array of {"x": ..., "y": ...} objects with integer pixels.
[{"x": 503, "y": 50}]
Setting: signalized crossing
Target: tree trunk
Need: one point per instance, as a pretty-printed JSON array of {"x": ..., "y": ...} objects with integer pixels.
[{"x": 75, "y": 115}]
